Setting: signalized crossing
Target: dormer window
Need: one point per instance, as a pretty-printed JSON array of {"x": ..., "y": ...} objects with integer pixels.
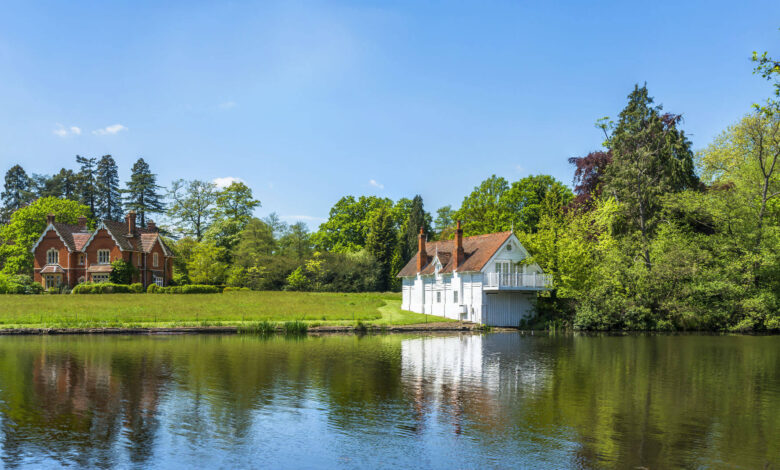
[{"x": 52, "y": 256}]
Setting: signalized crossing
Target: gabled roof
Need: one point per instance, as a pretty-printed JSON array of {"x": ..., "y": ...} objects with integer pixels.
[
  {"x": 142, "y": 240},
  {"x": 71, "y": 235},
  {"x": 477, "y": 249}
]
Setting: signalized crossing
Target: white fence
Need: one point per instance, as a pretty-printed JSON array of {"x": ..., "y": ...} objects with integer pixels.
[{"x": 518, "y": 281}]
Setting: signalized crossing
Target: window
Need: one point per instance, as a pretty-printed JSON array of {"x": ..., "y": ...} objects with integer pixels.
[
  {"x": 52, "y": 281},
  {"x": 508, "y": 247},
  {"x": 158, "y": 280},
  {"x": 82, "y": 280},
  {"x": 82, "y": 259},
  {"x": 101, "y": 277},
  {"x": 155, "y": 259},
  {"x": 455, "y": 296},
  {"x": 438, "y": 297},
  {"x": 104, "y": 256},
  {"x": 52, "y": 256}
]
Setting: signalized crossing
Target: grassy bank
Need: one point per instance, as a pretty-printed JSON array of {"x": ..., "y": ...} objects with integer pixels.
[{"x": 228, "y": 309}]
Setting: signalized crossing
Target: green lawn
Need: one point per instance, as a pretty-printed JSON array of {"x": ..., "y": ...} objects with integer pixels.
[{"x": 228, "y": 309}]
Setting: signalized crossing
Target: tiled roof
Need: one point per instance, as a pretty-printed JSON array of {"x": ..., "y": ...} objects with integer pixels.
[
  {"x": 51, "y": 269},
  {"x": 69, "y": 234},
  {"x": 100, "y": 268},
  {"x": 142, "y": 240},
  {"x": 478, "y": 250},
  {"x": 80, "y": 239}
]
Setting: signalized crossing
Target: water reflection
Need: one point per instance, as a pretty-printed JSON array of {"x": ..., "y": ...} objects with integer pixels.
[{"x": 499, "y": 400}]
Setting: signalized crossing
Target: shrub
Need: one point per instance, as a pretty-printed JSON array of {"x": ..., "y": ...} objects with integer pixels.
[
  {"x": 122, "y": 272},
  {"x": 187, "y": 289},
  {"x": 234, "y": 289},
  {"x": 296, "y": 327},
  {"x": 18, "y": 284},
  {"x": 137, "y": 288},
  {"x": 103, "y": 288}
]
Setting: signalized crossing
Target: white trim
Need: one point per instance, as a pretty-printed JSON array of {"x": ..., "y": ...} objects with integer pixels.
[
  {"x": 45, "y": 231},
  {"x": 56, "y": 252},
  {"x": 101, "y": 226},
  {"x": 498, "y": 250}
]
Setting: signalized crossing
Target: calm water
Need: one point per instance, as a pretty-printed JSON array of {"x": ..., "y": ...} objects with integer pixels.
[{"x": 500, "y": 400}]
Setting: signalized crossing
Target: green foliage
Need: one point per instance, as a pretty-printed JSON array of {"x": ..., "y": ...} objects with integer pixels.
[
  {"x": 108, "y": 198},
  {"x": 18, "y": 284},
  {"x": 380, "y": 242},
  {"x": 232, "y": 212},
  {"x": 26, "y": 226},
  {"x": 295, "y": 327},
  {"x": 297, "y": 280},
  {"x": 207, "y": 265},
  {"x": 142, "y": 192},
  {"x": 187, "y": 289},
  {"x": 497, "y": 206},
  {"x": 346, "y": 229},
  {"x": 16, "y": 191},
  {"x": 192, "y": 206},
  {"x": 122, "y": 272},
  {"x": 106, "y": 288}
]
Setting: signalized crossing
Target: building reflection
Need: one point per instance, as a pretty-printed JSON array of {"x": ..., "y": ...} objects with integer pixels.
[{"x": 470, "y": 378}]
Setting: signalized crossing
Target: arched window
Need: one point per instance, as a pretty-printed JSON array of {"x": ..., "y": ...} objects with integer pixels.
[
  {"x": 52, "y": 256},
  {"x": 155, "y": 259},
  {"x": 82, "y": 279}
]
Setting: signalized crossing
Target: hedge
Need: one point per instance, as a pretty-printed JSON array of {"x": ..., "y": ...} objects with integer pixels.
[
  {"x": 235, "y": 289},
  {"x": 185, "y": 289},
  {"x": 107, "y": 288}
]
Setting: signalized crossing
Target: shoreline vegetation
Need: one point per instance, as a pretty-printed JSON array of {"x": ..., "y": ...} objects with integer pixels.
[{"x": 241, "y": 311}]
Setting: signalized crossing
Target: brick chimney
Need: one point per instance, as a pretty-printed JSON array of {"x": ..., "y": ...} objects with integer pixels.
[
  {"x": 422, "y": 255},
  {"x": 459, "y": 254},
  {"x": 130, "y": 218},
  {"x": 151, "y": 226},
  {"x": 83, "y": 223},
  {"x": 50, "y": 219}
]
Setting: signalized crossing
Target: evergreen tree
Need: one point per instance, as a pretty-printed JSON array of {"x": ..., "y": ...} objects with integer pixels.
[
  {"x": 109, "y": 202},
  {"x": 16, "y": 191},
  {"x": 650, "y": 157},
  {"x": 417, "y": 219},
  {"x": 142, "y": 194},
  {"x": 86, "y": 182},
  {"x": 66, "y": 182},
  {"x": 380, "y": 243}
]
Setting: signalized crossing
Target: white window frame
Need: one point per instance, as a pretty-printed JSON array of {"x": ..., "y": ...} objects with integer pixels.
[
  {"x": 158, "y": 280},
  {"x": 107, "y": 254},
  {"x": 99, "y": 277},
  {"x": 53, "y": 256},
  {"x": 155, "y": 259}
]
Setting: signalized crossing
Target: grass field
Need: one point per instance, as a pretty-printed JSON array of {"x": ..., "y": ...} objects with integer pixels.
[{"x": 228, "y": 309}]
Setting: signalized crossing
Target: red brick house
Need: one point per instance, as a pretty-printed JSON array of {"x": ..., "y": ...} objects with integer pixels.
[{"x": 71, "y": 254}]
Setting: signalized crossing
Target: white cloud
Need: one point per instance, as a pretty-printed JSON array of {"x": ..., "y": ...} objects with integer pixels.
[
  {"x": 62, "y": 131},
  {"x": 227, "y": 104},
  {"x": 519, "y": 168},
  {"x": 223, "y": 183},
  {"x": 376, "y": 184},
  {"x": 110, "y": 130}
]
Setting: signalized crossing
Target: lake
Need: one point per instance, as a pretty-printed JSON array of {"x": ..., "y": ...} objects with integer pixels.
[{"x": 501, "y": 400}]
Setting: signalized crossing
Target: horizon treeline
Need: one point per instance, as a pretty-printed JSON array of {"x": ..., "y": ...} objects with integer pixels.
[{"x": 654, "y": 236}]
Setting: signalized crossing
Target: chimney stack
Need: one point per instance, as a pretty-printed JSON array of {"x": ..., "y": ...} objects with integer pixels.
[
  {"x": 460, "y": 255},
  {"x": 130, "y": 218},
  {"x": 83, "y": 223},
  {"x": 50, "y": 219},
  {"x": 422, "y": 255},
  {"x": 151, "y": 226}
]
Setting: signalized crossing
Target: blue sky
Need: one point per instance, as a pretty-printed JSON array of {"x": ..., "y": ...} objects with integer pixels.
[{"x": 310, "y": 101}]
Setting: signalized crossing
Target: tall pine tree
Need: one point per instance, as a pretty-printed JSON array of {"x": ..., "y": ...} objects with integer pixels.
[
  {"x": 380, "y": 243},
  {"x": 86, "y": 182},
  {"x": 142, "y": 194},
  {"x": 16, "y": 191},
  {"x": 107, "y": 194},
  {"x": 417, "y": 219}
]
